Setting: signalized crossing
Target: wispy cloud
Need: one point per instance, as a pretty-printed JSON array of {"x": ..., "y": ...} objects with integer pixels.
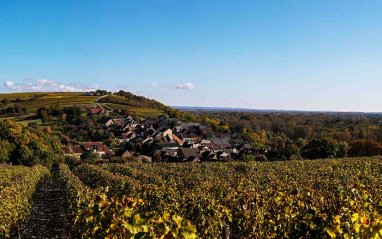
[
  {"x": 67, "y": 88},
  {"x": 91, "y": 87},
  {"x": 47, "y": 85},
  {"x": 44, "y": 82},
  {"x": 153, "y": 84},
  {"x": 8, "y": 84},
  {"x": 187, "y": 86}
]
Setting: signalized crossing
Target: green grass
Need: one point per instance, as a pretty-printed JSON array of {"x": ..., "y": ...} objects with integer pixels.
[{"x": 26, "y": 122}]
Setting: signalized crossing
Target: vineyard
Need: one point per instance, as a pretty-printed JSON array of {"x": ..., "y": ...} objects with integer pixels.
[
  {"x": 17, "y": 186},
  {"x": 296, "y": 199},
  {"x": 301, "y": 199}
]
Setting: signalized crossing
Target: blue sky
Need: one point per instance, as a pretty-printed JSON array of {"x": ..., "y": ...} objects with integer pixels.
[{"x": 308, "y": 55}]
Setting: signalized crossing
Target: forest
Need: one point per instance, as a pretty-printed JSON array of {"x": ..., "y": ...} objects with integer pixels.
[{"x": 290, "y": 135}]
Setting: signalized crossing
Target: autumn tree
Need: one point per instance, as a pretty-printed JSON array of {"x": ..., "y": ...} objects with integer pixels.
[
  {"x": 363, "y": 147},
  {"x": 321, "y": 148},
  {"x": 27, "y": 146}
]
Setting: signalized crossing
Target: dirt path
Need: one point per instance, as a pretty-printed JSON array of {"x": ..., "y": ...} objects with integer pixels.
[
  {"x": 98, "y": 103},
  {"x": 48, "y": 216}
]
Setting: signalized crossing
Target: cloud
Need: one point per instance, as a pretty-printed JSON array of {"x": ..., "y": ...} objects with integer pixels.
[
  {"x": 44, "y": 85},
  {"x": 153, "y": 84},
  {"x": 40, "y": 85},
  {"x": 91, "y": 88},
  {"x": 187, "y": 86},
  {"x": 8, "y": 84},
  {"x": 44, "y": 82},
  {"x": 67, "y": 88}
]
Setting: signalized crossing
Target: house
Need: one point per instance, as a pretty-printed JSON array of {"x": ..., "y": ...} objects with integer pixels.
[
  {"x": 129, "y": 118},
  {"x": 119, "y": 123},
  {"x": 97, "y": 111},
  {"x": 236, "y": 142},
  {"x": 125, "y": 137},
  {"x": 223, "y": 156},
  {"x": 166, "y": 132},
  {"x": 177, "y": 139},
  {"x": 106, "y": 121},
  {"x": 75, "y": 151},
  {"x": 144, "y": 159},
  {"x": 191, "y": 138},
  {"x": 87, "y": 93},
  {"x": 220, "y": 142},
  {"x": 96, "y": 147},
  {"x": 245, "y": 148},
  {"x": 161, "y": 118},
  {"x": 189, "y": 155},
  {"x": 165, "y": 155},
  {"x": 126, "y": 154},
  {"x": 168, "y": 146},
  {"x": 206, "y": 143},
  {"x": 66, "y": 150}
]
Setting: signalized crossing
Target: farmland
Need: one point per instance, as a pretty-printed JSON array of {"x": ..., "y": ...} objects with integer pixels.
[
  {"x": 337, "y": 198},
  {"x": 139, "y": 112},
  {"x": 33, "y": 101},
  {"x": 304, "y": 199}
]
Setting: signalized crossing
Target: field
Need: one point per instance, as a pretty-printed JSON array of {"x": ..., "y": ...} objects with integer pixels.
[
  {"x": 138, "y": 111},
  {"x": 50, "y": 98},
  {"x": 33, "y": 101},
  {"x": 338, "y": 198},
  {"x": 301, "y": 199},
  {"x": 17, "y": 187}
]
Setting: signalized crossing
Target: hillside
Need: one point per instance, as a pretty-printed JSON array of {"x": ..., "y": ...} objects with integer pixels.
[
  {"x": 35, "y": 100},
  {"x": 31, "y": 101}
]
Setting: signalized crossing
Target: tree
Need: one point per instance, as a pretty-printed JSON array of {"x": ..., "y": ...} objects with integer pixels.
[
  {"x": 44, "y": 116},
  {"x": 283, "y": 150},
  {"x": 4, "y": 101},
  {"x": 342, "y": 149},
  {"x": 27, "y": 146},
  {"x": 48, "y": 130},
  {"x": 6, "y": 149},
  {"x": 89, "y": 157},
  {"x": 25, "y": 110},
  {"x": 321, "y": 148},
  {"x": 363, "y": 147}
]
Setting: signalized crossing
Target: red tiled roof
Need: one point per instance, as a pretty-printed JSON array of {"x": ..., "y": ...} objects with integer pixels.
[
  {"x": 77, "y": 150},
  {"x": 118, "y": 122},
  {"x": 190, "y": 135},
  {"x": 98, "y": 145},
  {"x": 96, "y": 110},
  {"x": 72, "y": 150},
  {"x": 176, "y": 138},
  {"x": 66, "y": 149}
]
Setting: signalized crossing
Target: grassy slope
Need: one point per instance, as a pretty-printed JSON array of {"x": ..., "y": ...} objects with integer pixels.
[
  {"x": 65, "y": 99},
  {"x": 138, "y": 108},
  {"x": 140, "y": 112},
  {"x": 75, "y": 98}
]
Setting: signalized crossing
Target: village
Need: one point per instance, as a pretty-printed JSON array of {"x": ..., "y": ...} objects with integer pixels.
[{"x": 163, "y": 139}]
